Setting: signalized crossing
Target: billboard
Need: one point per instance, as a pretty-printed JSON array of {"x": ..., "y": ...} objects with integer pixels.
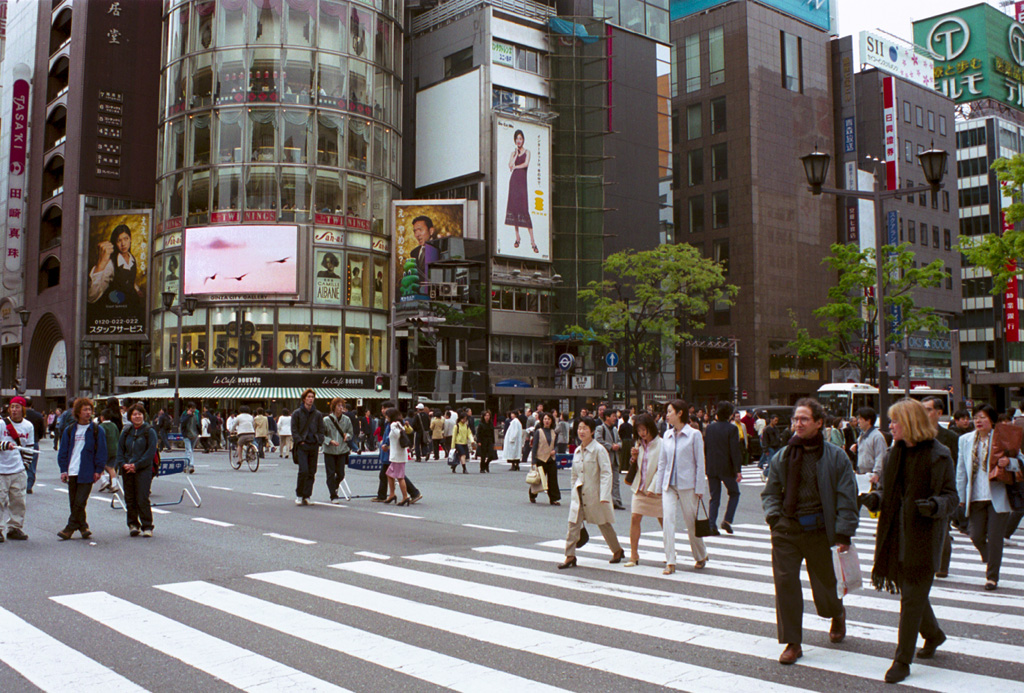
[
  {"x": 448, "y": 129},
  {"x": 235, "y": 260},
  {"x": 815, "y": 12},
  {"x": 118, "y": 274},
  {"x": 419, "y": 227},
  {"x": 522, "y": 189},
  {"x": 327, "y": 281},
  {"x": 896, "y": 59},
  {"x": 978, "y": 52}
]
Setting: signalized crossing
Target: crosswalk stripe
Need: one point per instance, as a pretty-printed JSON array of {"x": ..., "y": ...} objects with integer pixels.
[
  {"x": 51, "y": 665},
  {"x": 840, "y": 661},
  {"x": 417, "y": 662},
  {"x": 634, "y": 665},
  {"x": 718, "y": 607},
  {"x": 237, "y": 666},
  {"x": 711, "y": 579}
]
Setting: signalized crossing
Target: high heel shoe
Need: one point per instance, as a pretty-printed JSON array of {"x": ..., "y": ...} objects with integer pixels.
[
  {"x": 391, "y": 499},
  {"x": 405, "y": 502},
  {"x": 617, "y": 556},
  {"x": 569, "y": 563},
  {"x": 633, "y": 562},
  {"x": 464, "y": 469},
  {"x": 669, "y": 569}
]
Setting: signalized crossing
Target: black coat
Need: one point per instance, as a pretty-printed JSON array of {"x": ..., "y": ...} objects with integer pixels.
[
  {"x": 723, "y": 454},
  {"x": 485, "y": 433}
]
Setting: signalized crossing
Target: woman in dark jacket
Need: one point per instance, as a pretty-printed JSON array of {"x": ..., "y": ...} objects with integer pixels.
[
  {"x": 135, "y": 452},
  {"x": 485, "y": 439},
  {"x": 916, "y": 496}
]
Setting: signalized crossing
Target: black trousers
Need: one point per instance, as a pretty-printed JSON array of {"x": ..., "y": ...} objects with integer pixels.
[
  {"x": 136, "y": 498},
  {"x": 306, "y": 458},
  {"x": 987, "y": 529},
  {"x": 551, "y": 470},
  {"x": 382, "y": 482},
  {"x": 78, "y": 498},
  {"x": 715, "y": 487},
  {"x": 334, "y": 466},
  {"x": 789, "y": 551},
  {"x": 916, "y": 616}
]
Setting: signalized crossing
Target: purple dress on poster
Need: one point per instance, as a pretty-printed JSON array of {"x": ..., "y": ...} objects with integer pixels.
[{"x": 518, "y": 210}]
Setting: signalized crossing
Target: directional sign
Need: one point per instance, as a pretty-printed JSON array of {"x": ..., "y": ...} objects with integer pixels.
[
  {"x": 566, "y": 362},
  {"x": 611, "y": 359}
]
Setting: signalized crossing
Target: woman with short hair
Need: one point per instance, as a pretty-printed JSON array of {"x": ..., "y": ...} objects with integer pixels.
[
  {"x": 462, "y": 438},
  {"x": 643, "y": 480},
  {"x": 544, "y": 459},
  {"x": 683, "y": 483},
  {"x": 136, "y": 450}
]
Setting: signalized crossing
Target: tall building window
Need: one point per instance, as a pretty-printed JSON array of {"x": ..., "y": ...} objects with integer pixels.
[
  {"x": 935, "y": 237},
  {"x": 945, "y": 200},
  {"x": 719, "y": 162},
  {"x": 458, "y": 63},
  {"x": 716, "y": 55},
  {"x": 720, "y": 249},
  {"x": 947, "y": 239},
  {"x": 911, "y": 231},
  {"x": 695, "y": 165},
  {"x": 906, "y": 111},
  {"x": 718, "y": 120},
  {"x": 920, "y": 116},
  {"x": 942, "y": 125},
  {"x": 924, "y": 235},
  {"x": 697, "y": 214},
  {"x": 931, "y": 121},
  {"x": 949, "y": 278},
  {"x": 691, "y": 47},
  {"x": 720, "y": 209},
  {"x": 792, "y": 75},
  {"x": 693, "y": 122},
  {"x": 908, "y": 151}
]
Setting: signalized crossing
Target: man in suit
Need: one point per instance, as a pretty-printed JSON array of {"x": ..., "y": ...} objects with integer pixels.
[
  {"x": 723, "y": 459},
  {"x": 421, "y": 427},
  {"x": 608, "y": 436},
  {"x": 936, "y": 408}
]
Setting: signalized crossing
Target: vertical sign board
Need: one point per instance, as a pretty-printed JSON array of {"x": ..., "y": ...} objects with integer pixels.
[
  {"x": 849, "y": 135},
  {"x": 889, "y": 118},
  {"x": 852, "y": 226},
  {"x": 15, "y": 228},
  {"x": 893, "y": 239},
  {"x": 1018, "y": 12},
  {"x": 1011, "y": 314}
]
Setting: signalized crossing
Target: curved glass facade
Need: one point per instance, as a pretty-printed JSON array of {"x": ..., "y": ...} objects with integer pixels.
[{"x": 281, "y": 112}]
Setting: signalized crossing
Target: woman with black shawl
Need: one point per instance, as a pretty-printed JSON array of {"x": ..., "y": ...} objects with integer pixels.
[{"x": 916, "y": 496}]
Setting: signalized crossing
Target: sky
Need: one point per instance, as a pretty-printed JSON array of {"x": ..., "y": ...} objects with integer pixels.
[{"x": 894, "y": 16}]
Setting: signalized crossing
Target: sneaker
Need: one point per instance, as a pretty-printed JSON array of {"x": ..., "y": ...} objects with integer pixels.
[
  {"x": 305, "y": 501},
  {"x": 336, "y": 500},
  {"x": 379, "y": 500},
  {"x": 16, "y": 534},
  {"x": 148, "y": 533},
  {"x": 133, "y": 531},
  {"x": 298, "y": 501},
  {"x": 416, "y": 498}
]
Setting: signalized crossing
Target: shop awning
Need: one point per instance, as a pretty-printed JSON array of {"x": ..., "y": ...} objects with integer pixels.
[{"x": 250, "y": 393}]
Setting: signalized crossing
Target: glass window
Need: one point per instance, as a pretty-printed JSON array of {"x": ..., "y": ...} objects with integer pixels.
[
  {"x": 696, "y": 214},
  {"x": 920, "y": 116},
  {"x": 202, "y": 81},
  {"x": 301, "y": 24},
  {"x": 719, "y": 162},
  {"x": 924, "y": 235},
  {"x": 176, "y": 196},
  {"x": 657, "y": 23},
  {"x": 297, "y": 76},
  {"x": 228, "y": 125},
  {"x": 380, "y": 203},
  {"x": 631, "y": 15},
  {"x": 330, "y": 139},
  {"x": 358, "y": 143},
  {"x": 356, "y": 197},
  {"x": 198, "y": 196},
  {"x": 692, "y": 55},
  {"x": 695, "y": 166},
  {"x": 792, "y": 75},
  {"x": 260, "y": 188},
  {"x": 935, "y": 237},
  {"x": 266, "y": 28},
  {"x": 694, "y": 123},
  {"x": 720, "y": 209},
  {"x": 227, "y": 188},
  {"x": 380, "y": 284},
  {"x": 333, "y": 32},
  {"x": 175, "y": 141},
  {"x": 231, "y": 71},
  {"x": 327, "y": 340},
  {"x": 263, "y": 126},
  {"x": 382, "y": 44},
  {"x": 908, "y": 151},
  {"x": 361, "y": 32},
  {"x": 720, "y": 248},
  {"x": 330, "y": 193},
  {"x": 294, "y": 325},
  {"x": 906, "y": 111},
  {"x": 332, "y": 80},
  {"x": 716, "y": 55},
  {"x": 358, "y": 85},
  {"x": 202, "y": 37},
  {"x": 295, "y": 193},
  {"x": 298, "y": 131},
  {"x": 200, "y": 140},
  {"x": 230, "y": 21},
  {"x": 942, "y": 125},
  {"x": 718, "y": 120},
  {"x": 947, "y": 239},
  {"x": 458, "y": 63},
  {"x": 931, "y": 121},
  {"x": 358, "y": 282}
]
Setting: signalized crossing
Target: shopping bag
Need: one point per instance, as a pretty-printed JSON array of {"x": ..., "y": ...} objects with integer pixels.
[
  {"x": 702, "y": 528},
  {"x": 847, "y": 567}
]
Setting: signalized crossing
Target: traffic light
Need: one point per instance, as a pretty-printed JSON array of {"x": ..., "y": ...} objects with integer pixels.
[{"x": 378, "y": 382}]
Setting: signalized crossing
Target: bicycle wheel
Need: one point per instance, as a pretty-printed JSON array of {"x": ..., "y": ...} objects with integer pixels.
[
  {"x": 235, "y": 461},
  {"x": 252, "y": 457}
]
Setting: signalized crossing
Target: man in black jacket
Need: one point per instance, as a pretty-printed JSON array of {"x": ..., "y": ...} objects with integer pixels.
[
  {"x": 421, "y": 427},
  {"x": 723, "y": 459},
  {"x": 307, "y": 437}
]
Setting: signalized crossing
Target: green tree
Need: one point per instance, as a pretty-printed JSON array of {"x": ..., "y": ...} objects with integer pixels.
[
  {"x": 846, "y": 334},
  {"x": 649, "y": 302},
  {"x": 1000, "y": 253}
]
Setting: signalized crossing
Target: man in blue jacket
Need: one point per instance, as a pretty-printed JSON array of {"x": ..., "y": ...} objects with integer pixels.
[{"x": 81, "y": 458}]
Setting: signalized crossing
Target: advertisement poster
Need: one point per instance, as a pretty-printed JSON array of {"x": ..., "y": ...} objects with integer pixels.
[
  {"x": 354, "y": 352},
  {"x": 522, "y": 189},
  {"x": 420, "y": 227},
  {"x": 327, "y": 283},
  {"x": 380, "y": 297},
  {"x": 118, "y": 273},
  {"x": 172, "y": 274},
  {"x": 234, "y": 260},
  {"x": 356, "y": 281}
]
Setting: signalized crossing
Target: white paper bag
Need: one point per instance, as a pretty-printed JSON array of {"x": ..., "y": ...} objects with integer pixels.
[{"x": 847, "y": 567}]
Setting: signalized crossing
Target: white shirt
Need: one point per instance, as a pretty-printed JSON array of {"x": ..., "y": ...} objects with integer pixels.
[
  {"x": 284, "y": 425},
  {"x": 243, "y": 424},
  {"x": 75, "y": 463},
  {"x": 981, "y": 489},
  {"x": 11, "y": 461}
]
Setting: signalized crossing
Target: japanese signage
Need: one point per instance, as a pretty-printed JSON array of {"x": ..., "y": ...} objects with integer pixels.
[
  {"x": 16, "y": 179},
  {"x": 849, "y": 135},
  {"x": 118, "y": 274},
  {"x": 890, "y": 118},
  {"x": 420, "y": 229},
  {"x": 893, "y": 239},
  {"x": 1011, "y": 312},
  {"x": 978, "y": 52},
  {"x": 815, "y": 12},
  {"x": 503, "y": 54},
  {"x": 896, "y": 59}
]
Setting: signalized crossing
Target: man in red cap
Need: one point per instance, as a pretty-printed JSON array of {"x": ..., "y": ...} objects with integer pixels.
[{"x": 15, "y": 431}]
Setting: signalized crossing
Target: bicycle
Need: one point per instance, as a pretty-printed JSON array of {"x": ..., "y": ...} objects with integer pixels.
[{"x": 252, "y": 457}]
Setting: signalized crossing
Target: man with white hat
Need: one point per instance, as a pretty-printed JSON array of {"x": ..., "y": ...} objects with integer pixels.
[
  {"x": 15, "y": 431},
  {"x": 421, "y": 427}
]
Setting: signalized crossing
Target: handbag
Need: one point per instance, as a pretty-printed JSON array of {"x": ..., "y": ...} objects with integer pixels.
[
  {"x": 533, "y": 476},
  {"x": 403, "y": 438},
  {"x": 1006, "y": 444},
  {"x": 702, "y": 528},
  {"x": 1015, "y": 495}
]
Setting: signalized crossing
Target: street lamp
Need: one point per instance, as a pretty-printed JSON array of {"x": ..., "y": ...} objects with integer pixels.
[
  {"x": 167, "y": 297},
  {"x": 24, "y": 316},
  {"x": 933, "y": 163}
]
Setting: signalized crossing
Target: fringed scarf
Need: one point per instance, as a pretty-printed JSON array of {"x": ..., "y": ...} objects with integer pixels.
[{"x": 794, "y": 464}]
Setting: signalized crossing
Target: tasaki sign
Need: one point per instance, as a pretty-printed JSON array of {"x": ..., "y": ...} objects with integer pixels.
[{"x": 978, "y": 53}]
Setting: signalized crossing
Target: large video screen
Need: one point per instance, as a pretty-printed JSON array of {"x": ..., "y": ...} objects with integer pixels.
[{"x": 241, "y": 260}]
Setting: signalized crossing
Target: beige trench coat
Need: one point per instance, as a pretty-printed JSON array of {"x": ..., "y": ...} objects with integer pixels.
[{"x": 592, "y": 470}]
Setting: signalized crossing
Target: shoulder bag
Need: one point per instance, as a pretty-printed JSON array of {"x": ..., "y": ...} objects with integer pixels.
[{"x": 702, "y": 528}]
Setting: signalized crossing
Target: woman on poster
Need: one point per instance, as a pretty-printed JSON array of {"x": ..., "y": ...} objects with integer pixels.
[
  {"x": 114, "y": 277},
  {"x": 517, "y": 213}
]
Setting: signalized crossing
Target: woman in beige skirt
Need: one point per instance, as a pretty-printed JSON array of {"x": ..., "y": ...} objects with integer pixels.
[{"x": 642, "y": 478}]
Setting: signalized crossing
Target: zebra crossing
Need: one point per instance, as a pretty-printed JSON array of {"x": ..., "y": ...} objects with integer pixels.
[{"x": 499, "y": 617}]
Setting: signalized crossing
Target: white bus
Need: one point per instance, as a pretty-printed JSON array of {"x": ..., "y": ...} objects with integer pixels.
[{"x": 844, "y": 399}]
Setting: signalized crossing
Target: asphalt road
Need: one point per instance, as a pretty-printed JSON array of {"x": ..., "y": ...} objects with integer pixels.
[{"x": 459, "y": 591}]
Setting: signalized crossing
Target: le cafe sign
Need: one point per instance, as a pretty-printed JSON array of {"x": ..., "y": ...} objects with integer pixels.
[
  {"x": 950, "y": 37},
  {"x": 249, "y": 354}
]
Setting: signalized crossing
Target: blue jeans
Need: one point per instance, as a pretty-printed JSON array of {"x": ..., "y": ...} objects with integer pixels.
[
  {"x": 715, "y": 487},
  {"x": 30, "y": 468},
  {"x": 765, "y": 457}
]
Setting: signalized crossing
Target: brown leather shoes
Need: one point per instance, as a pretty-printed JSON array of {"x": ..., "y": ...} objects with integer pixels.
[
  {"x": 791, "y": 654},
  {"x": 617, "y": 556},
  {"x": 838, "y": 631}
]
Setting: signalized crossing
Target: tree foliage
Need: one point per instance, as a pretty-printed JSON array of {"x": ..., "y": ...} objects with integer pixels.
[
  {"x": 649, "y": 302},
  {"x": 997, "y": 252},
  {"x": 847, "y": 320}
]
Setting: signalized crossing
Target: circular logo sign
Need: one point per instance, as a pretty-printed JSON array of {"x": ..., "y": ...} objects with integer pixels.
[
  {"x": 949, "y": 38},
  {"x": 1016, "y": 41},
  {"x": 566, "y": 362}
]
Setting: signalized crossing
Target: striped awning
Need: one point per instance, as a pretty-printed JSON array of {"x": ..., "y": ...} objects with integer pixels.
[{"x": 251, "y": 393}]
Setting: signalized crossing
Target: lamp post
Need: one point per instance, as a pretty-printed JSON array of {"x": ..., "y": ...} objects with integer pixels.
[
  {"x": 188, "y": 309},
  {"x": 933, "y": 163},
  {"x": 24, "y": 315}
]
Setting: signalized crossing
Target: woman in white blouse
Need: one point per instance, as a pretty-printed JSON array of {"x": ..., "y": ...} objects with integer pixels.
[
  {"x": 644, "y": 459},
  {"x": 682, "y": 482}
]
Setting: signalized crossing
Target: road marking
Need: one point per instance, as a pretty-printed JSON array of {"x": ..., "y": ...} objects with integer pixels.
[
  {"x": 411, "y": 517},
  {"x": 221, "y": 488},
  {"x": 420, "y": 663},
  {"x": 215, "y": 523},
  {"x": 234, "y": 665},
  {"x": 60, "y": 490},
  {"x": 160, "y": 511},
  {"x": 50, "y": 664},
  {"x": 266, "y": 495},
  {"x": 492, "y": 529},
  {"x": 716, "y": 639},
  {"x": 330, "y": 505},
  {"x": 612, "y": 660},
  {"x": 371, "y": 554},
  {"x": 285, "y": 537}
]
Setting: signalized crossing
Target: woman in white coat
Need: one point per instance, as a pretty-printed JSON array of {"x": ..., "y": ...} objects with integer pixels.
[
  {"x": 985, "y": 504},
  {"x": 591, "y": 490},
  {"x": 512, "y": 447},
  {"x": 643, "y": 480},
  {"x": 682, "y": 481}
]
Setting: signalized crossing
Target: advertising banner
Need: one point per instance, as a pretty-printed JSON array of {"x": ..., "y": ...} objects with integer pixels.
[
  {"x": 420, "y": 227},
  {"x": 16, "y": 180},
  {"x": 327, "y": 282},
  {"x": 240, "y": 260},
  {"x": 896, "y": 59},
  {"x": 1011, "y": 313},
  {"x": 889, "y": 137},
  {"x": 522, "y": 189},
  {"x": 172, "y": 274},
  {"x": 118, "y": 274}
]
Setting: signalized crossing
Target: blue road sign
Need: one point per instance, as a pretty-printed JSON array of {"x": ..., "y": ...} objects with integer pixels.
[
  {"x": 611, "y": 359},
  {"x": 566, "y": 362}
]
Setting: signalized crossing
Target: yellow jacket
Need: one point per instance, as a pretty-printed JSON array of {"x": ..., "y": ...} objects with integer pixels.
[{"x": 463, "y": 435}]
